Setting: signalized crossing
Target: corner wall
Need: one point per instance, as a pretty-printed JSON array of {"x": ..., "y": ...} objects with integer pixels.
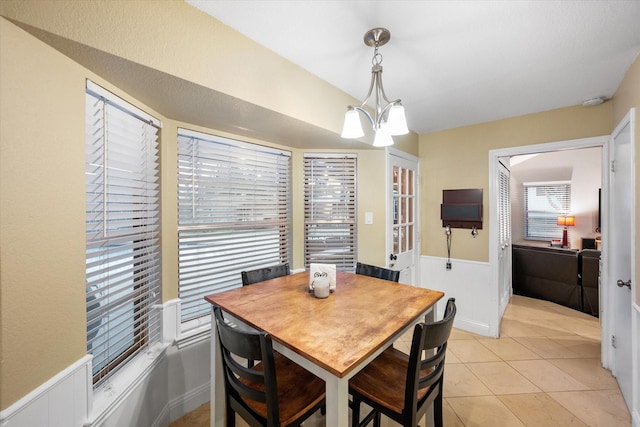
[
  {"x": 457, "y": 159},
  {"x": 42, "y": 223}
]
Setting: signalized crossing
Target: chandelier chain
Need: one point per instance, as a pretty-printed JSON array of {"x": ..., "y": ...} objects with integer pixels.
[{"x": 377, "y": 58}]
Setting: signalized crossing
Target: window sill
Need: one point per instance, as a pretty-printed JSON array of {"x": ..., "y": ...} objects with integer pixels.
[{"x": 110, "y": 395}]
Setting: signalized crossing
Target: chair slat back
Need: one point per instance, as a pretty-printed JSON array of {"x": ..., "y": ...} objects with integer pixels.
[
  {"x": 262, "y": 274},
  {"x": 258, "y": 385},
  {"x": 378, "y": 272},
  {"x": 427, "y": 359}
]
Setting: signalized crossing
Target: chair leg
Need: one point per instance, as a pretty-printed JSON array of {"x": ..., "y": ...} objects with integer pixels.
[
  {"x": 437, "y": 410},
  {"x": 231, "y": 417},
  {"x": 355, "y": 412},
  {"x": 377, "y": 419}
]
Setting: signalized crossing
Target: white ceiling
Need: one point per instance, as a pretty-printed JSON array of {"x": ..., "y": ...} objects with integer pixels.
[{"x": 453, "y": 63}]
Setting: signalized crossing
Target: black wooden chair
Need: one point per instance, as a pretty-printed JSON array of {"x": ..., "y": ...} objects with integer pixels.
[
  {"x": 275, "y": 391},
  {"x": 379, "y": 272},
  {"x": 401, "y": 386},
  {"x": 249, "y": 278},
  {"x": 262, "y": 274}
]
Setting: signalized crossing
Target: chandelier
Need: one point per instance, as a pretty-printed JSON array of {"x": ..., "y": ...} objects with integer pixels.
[{"x": 387, "y": 120}]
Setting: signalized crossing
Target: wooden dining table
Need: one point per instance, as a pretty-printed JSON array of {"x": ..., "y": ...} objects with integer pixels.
[{"x": 333, "y": 337}]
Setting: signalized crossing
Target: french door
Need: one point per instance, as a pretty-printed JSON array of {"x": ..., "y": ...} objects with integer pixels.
[{"x": 402, "y": 220}]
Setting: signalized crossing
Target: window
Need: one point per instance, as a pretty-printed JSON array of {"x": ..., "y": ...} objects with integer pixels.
[
  {"x": 122, "y": 223},
  {"x": 234, "y": 214},
  {"x": 330, "y": 216},
  {"x": 504, "y": 205},
  {"x": 543, "y": 203}
]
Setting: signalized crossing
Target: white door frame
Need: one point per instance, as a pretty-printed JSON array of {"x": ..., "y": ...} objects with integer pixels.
[
  {"x": 608, "y": 292},
  {"x": 494, "y": 237},
  {"x": 389, "y": 151}
]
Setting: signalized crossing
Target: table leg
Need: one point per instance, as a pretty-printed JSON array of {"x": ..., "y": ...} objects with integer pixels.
[
  {"x": 337, "y": 401},
  {"x": 217, "y": 379},
  {"x": 430, "y": 315}
]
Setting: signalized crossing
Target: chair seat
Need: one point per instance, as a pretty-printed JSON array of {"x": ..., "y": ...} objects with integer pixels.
[
  {"x": 383, "y": 380},
  {"x": 298, "y": 390}
]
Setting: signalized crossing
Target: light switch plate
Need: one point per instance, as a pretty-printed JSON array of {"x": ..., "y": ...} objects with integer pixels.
[{"x": 368, "y": 217}]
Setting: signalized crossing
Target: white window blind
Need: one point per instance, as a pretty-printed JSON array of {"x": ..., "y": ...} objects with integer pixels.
[
  {"x": 330, "y": 216},
  {"x": 543, "y": 203},
  {"x": 122, "y": 225},
  {"x": 504, "y": 206},
  {"x": 234, "y": 214}
]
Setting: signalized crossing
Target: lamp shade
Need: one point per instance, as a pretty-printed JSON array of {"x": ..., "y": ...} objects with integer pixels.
[
  {"x": 397, "y": 121},
  {"x": 383, "y": 138},
  {"x": 352, "y": 127},
  {"x": 566, "y": 221}
]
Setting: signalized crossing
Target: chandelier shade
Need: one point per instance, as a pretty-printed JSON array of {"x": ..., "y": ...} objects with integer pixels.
[
  {"x": 352, "y": 127},
  {"x": 397, "y": 121},
  {"x": 382, "y": 138},
  {"x": 388, "y": 119}
]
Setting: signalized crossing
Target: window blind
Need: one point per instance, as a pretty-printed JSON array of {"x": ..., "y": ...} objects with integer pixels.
[
  {"x": 330, "y": 216},
  {"x": 122, "y": 223},
  {"x": 234, "y": 214},
  {"x": 543, "y": 203},
  {"x": 504, "y": 206}
]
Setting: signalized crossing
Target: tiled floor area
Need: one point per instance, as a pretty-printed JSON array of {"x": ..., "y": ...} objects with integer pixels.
[{"x": 544, "y": 370}]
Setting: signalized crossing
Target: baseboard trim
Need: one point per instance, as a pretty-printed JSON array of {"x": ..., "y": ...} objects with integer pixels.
[
  {"x": 189, "y": 401},
  {"x": 471, "y": 326}
]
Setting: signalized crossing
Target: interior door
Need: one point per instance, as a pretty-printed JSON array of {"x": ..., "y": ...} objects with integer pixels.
[
  {"x": 620, "y": 250},
  {"x": 402, "y": 241},
  {"x": 504, "y": 245}
]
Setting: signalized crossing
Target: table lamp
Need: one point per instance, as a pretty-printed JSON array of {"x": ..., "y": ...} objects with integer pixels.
[{"x": 566, "y": 221}]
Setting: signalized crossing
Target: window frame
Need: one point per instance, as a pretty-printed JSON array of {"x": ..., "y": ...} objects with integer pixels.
[
  {"x": 122, "y": 179},
  {"x": 339, "y": 214},
  {"x": 547, "y": 228},
  {"x": 236, "y": 213}
]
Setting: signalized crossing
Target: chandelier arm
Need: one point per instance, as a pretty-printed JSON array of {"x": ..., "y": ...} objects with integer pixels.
[
  {"x": 371, "y": 86},
  {"x": 381, "y": 87},
  {"x": 386, "y": 109},
  {"x": 366, "y": 114},
  {"x": 379, "y": 95}
]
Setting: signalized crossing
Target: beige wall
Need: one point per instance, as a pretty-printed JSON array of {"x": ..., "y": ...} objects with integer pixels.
[
  {"x": 184, "y": 43},
  {"x": 458, "y": 159},
  {"x": 42, "y": 269},
  {"x": 42, "y": 208}
]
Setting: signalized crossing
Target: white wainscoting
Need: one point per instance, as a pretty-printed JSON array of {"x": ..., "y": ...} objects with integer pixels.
[
  {"x": 154, "y": 389},
  {"x": 468, "y": 283},
  {"x": 61, "y": 401}
]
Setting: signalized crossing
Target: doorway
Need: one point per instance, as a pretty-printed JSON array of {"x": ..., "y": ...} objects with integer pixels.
[{"x": 502, "y": 294}]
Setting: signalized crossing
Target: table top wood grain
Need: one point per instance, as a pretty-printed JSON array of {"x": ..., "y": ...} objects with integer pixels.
[{"x": 336, "y": 333}]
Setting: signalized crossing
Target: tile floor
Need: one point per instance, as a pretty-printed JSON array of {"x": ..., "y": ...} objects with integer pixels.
[{"x": 544, "y": 370}]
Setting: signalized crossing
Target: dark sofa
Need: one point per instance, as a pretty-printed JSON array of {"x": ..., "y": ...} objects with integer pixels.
[
  {"x": 563, "y": 276},
  {"x": 589, "y": 275}
]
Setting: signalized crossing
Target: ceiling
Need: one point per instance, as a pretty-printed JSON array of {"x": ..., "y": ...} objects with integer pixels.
[{"x": 453, "y": 63}]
